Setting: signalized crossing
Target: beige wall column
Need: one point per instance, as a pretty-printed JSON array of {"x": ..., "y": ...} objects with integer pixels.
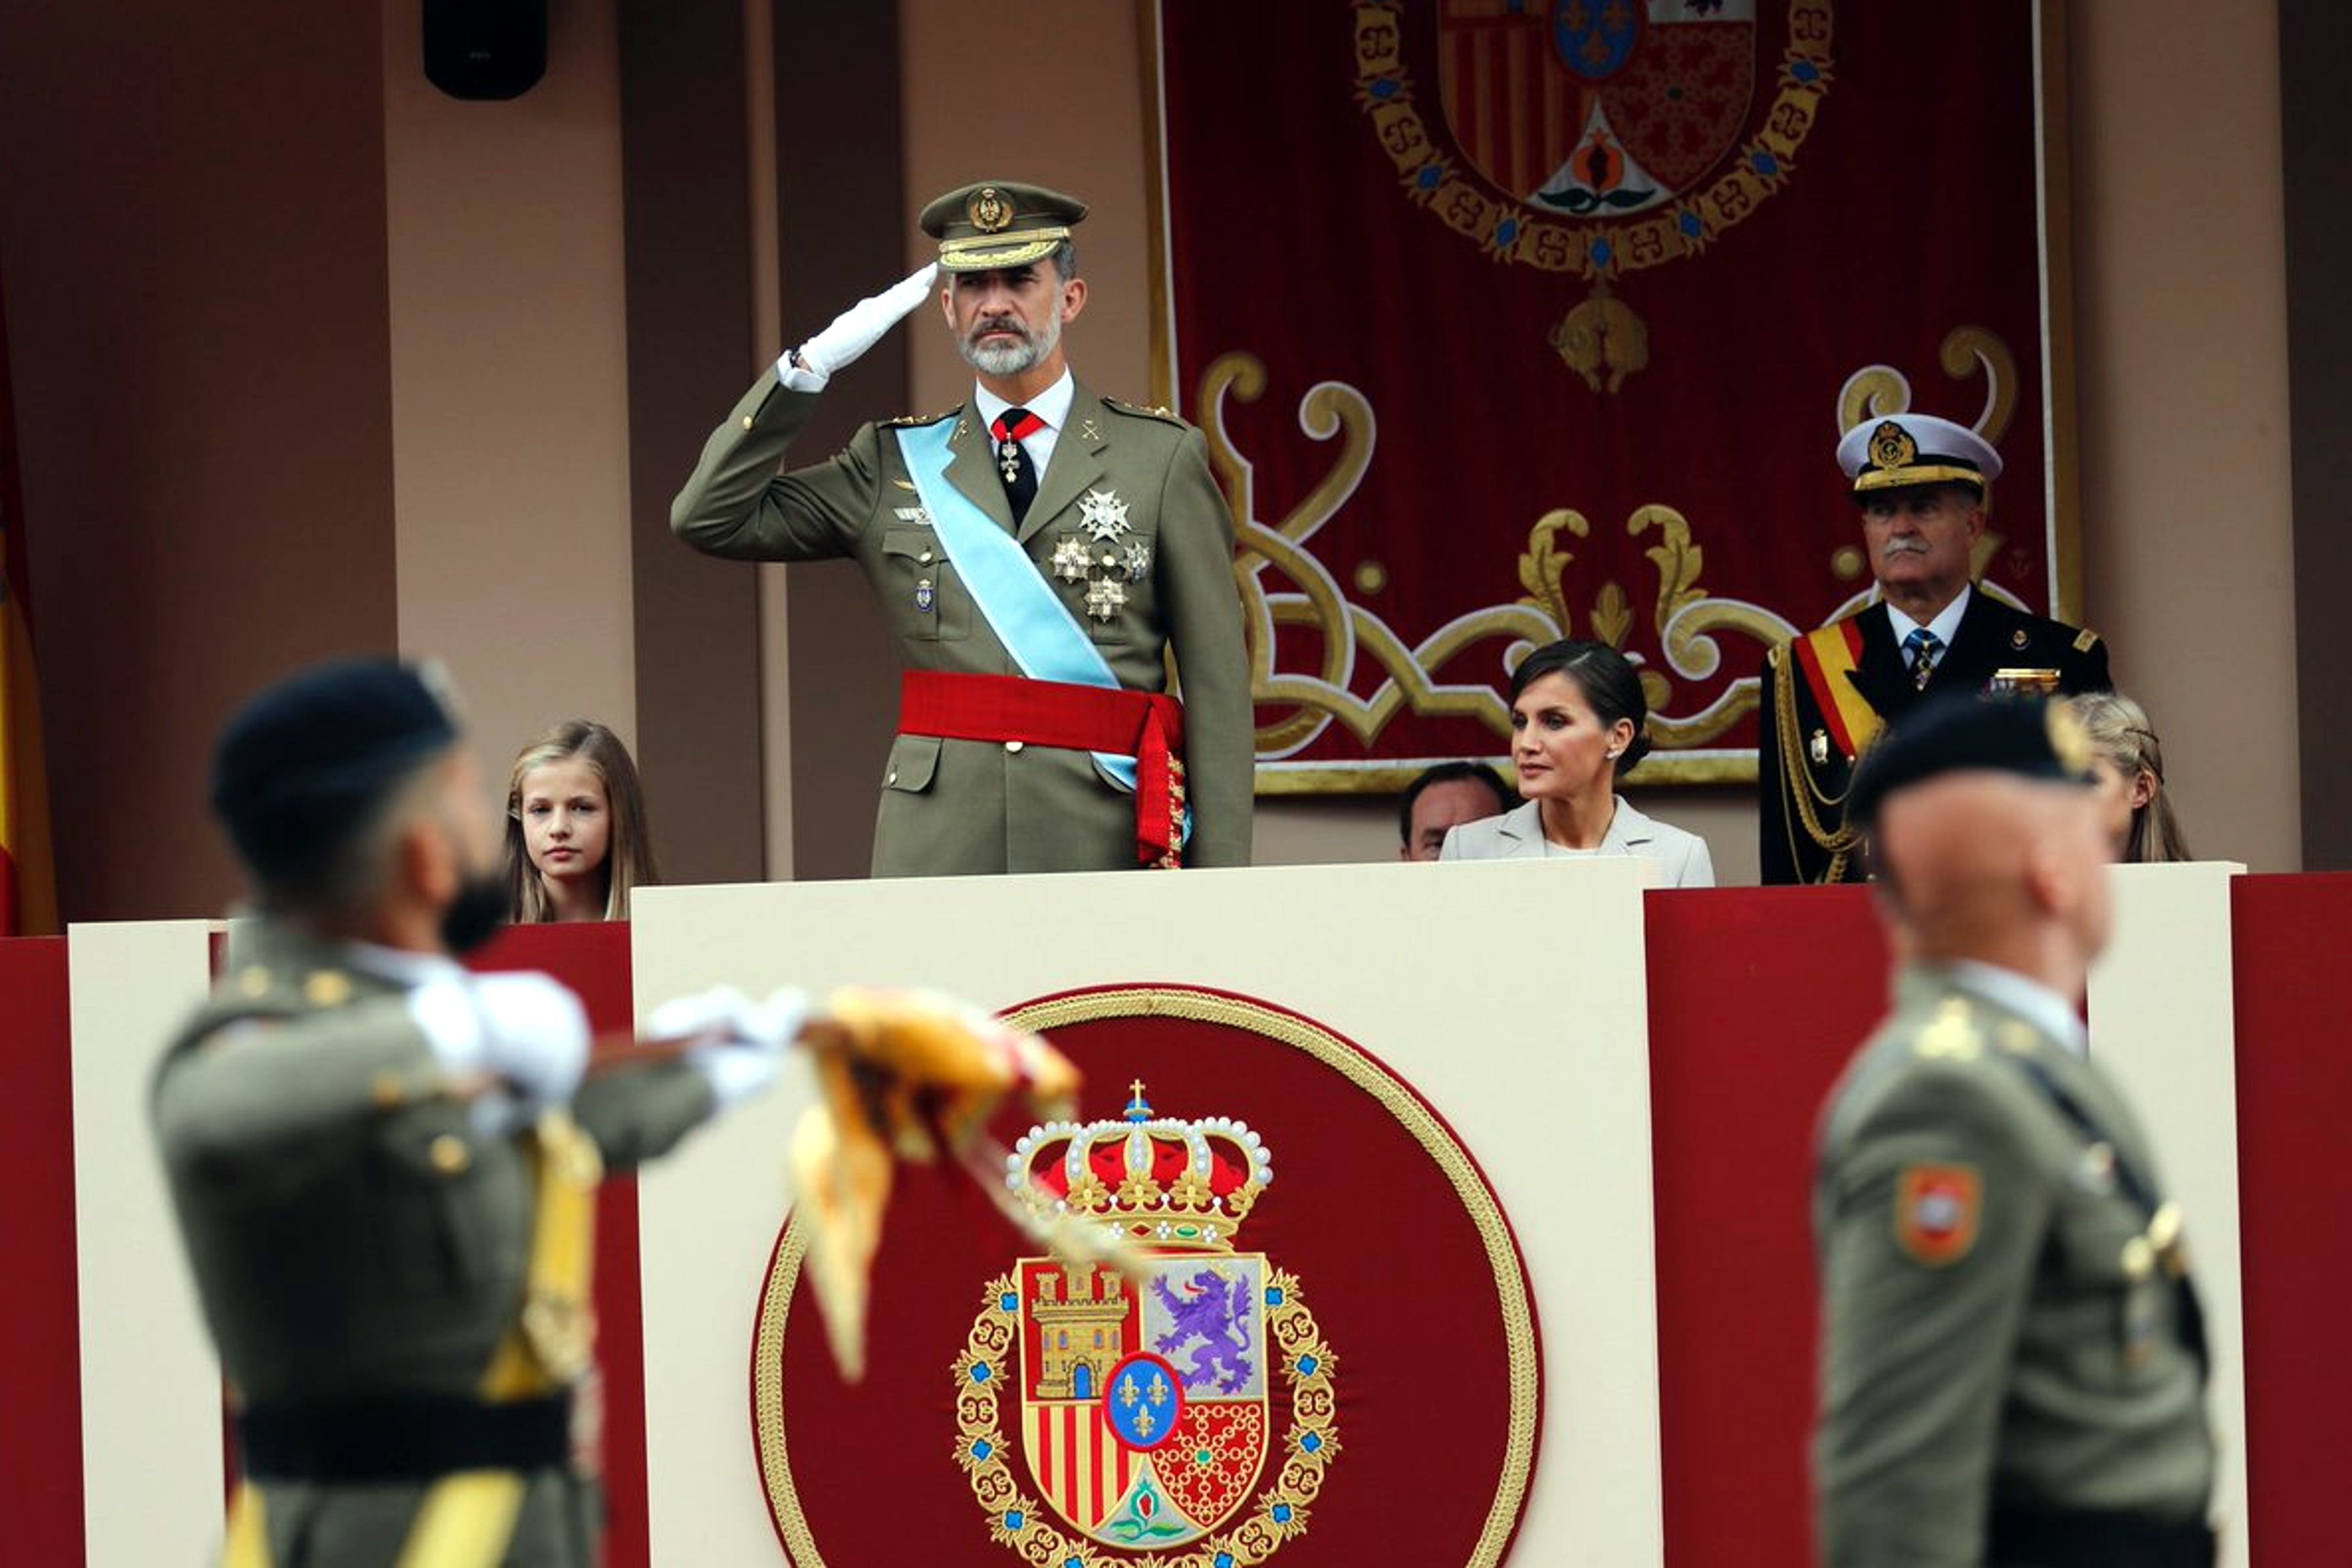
[
  {"x": 510, "y": 402},
  {"x": 2180, "y": 307}
]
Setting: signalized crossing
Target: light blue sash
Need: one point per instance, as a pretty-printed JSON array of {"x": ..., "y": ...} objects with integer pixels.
[{"x": 1019, "y": 604}]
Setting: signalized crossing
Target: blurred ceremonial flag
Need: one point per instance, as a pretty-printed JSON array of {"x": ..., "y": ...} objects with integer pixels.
[{"x": 28, "y": 901}]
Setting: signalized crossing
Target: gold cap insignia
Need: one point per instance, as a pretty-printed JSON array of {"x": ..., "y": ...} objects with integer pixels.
[
  {"x": 990, "y": 212},
  {"x": 1891, "y": 446}
]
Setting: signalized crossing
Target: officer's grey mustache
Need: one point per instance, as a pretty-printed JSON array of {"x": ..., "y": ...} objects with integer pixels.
[
  {"x": 1905, "y": 547},
  {"x": 998, "y": 324}
]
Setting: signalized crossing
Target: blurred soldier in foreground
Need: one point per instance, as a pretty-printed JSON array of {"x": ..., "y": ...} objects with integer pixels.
[
  {"x": 384, "y": 1167},
  {"x": 2013, "y": 1366}
]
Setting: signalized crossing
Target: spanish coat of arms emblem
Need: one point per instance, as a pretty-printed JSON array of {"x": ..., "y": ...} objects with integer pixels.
[{"x": 1183, "y": 1412}]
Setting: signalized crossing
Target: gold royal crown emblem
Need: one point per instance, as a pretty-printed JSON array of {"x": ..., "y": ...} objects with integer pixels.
[{"x": 1160, "y": 1180}]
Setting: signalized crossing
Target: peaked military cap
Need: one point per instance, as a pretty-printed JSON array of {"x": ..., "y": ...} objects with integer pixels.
[
  {"x": 1915, "y": 449},
  {"x": 998, "y": 223},
  {"x": 297, "y": 765},
  {"x": 2022, "y": 736}
]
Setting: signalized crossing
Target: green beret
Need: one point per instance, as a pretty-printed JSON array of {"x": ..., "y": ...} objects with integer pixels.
[
  {"x": 2024, "y": 737},
  {"x": 297, "y": 768}
]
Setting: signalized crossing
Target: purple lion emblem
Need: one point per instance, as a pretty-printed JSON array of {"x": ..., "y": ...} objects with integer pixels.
[{"x": 1217, "y": 1314}]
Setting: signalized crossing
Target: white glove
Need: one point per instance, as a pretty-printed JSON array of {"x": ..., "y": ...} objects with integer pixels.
[
  {"x": 854, "y": 331},
  {"x": 528, "y": 1030},
  {"x": 746, "y": 1039}
]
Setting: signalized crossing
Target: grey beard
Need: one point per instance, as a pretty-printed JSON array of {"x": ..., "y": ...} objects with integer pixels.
[{"x": 1000, "y": 360}]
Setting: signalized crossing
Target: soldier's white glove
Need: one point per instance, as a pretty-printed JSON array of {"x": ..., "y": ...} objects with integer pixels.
[
  {"x": 528, "y": 1031},
  {"x": 744, "y": 1040},
  {"x": 855, "y": 330}
]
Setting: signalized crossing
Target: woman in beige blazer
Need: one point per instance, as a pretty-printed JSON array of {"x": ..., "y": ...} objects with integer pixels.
[{"x": 1577, "y": 713}]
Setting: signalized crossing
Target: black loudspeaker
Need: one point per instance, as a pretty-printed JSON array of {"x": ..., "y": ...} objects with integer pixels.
[{"x": 485, "y": 49}]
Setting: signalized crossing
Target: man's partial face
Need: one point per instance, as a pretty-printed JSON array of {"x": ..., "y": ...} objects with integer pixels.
[
  {"x": 1006, "y": 322},
  {"x": 1921, "y": 539},
  {"x": 1442, "y": 807}
]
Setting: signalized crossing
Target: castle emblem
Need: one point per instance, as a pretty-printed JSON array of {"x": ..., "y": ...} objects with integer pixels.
[{"x": 1185, "y": 1416}]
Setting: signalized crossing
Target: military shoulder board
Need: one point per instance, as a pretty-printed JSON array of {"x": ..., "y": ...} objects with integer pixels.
[{"x": 1139, "y": 411}]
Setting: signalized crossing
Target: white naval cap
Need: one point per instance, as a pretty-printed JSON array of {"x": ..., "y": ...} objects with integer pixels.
[{"x": 1915, "y": 449}]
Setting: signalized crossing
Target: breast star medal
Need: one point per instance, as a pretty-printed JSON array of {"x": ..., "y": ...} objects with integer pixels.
[
  {"x": 1106, "y": 596},
  {"x": 1070, "y": 559},
  {"x": 1102, "y": 514}
]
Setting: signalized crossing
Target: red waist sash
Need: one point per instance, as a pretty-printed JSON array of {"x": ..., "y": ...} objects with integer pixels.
[{"x": 1145, "y": 725}]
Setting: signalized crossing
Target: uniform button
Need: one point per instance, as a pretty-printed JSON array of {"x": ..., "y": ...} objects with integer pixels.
[
  {"x": 1013, "y": 746},
  {"x": 925, "y": 558},
  {"x": 386, "y": 1091},
  {"x": 891, "y": 777},
  {"x": 449, "y": 1154},
  {"x": 747, "y": 422},
  {"x": 326, "y": 988}
]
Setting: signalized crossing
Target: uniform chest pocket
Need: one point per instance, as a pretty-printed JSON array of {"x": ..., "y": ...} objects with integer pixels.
[
  {"x": 451, "y": 1210},
  {"x": 922, "y": 599},
  {"x": 2113, "y": 1302},
  {"x": 1107, "y": 584}
]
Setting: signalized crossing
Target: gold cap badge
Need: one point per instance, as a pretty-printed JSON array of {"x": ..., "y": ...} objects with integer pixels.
[{"x": 999, "y": 223}]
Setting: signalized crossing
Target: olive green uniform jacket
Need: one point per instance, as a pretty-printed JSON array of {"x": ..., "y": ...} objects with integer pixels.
[
  {"x": 959, "y": 806},
  {"x": 353, "y": 1238},
  {"x": 1996, "y": 1333}
]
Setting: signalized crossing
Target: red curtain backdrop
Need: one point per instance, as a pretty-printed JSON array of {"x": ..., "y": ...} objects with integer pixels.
[
  {"x": 1510, "y": 319},
  {"x": 27, "y": 886}
]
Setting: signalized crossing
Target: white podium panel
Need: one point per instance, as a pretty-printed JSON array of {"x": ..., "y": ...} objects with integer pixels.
[
  {"x": 2163, "y": 1020},
  {"x": 1510, "y": 994}
]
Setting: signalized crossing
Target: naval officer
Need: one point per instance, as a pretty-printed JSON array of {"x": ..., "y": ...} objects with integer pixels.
[
  {"x": 2013, "y": 1362},
  {"x": 1037, "y": 554},
  {"x": 1921, "y": 484}
]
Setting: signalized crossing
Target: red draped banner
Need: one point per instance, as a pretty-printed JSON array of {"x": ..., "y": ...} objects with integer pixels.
[{"x": 1511, "y": 319}]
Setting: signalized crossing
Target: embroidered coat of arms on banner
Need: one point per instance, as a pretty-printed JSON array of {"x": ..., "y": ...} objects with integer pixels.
[{"x": 1510, "y": 321}]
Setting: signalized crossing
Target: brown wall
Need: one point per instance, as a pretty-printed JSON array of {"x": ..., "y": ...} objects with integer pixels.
[
  {"x": 275, "y": 401},
  {"x": 193, "y": 250}
]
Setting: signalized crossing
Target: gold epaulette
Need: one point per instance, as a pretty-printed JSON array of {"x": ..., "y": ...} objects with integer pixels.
[
  {"x": 909, "y": 421},
  {"x": 1164, "y": 415}
]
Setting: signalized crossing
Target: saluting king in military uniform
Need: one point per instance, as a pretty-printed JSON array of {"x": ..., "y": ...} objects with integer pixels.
[
  {"x": 1037, "y": 555},
  {"x": 1920, "y": 483}
]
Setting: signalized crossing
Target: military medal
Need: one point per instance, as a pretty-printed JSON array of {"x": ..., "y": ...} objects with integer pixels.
[
  {"x": 1008, "y": 459},
  {"x": 1106, "y": 596},
  {"x": 1070, "y": 559},
  {"x": 924, "y": 597},
  {"x": 1102, "y": 514},
  {"x": 2096, "y": 1172},
  {"x": 1818, "y": 748},
  {"x": 1138, "y": 560}
]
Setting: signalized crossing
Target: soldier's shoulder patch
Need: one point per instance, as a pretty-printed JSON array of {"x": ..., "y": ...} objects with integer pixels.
[
  {"x": 2085, "y": 641},
  {"x": 1138, "y": 411},
  {"x": 910, "y": 421},
  {"x": 1936, "y": 1212}
]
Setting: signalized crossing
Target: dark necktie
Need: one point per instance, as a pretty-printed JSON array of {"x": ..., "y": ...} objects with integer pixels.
[
  {"x": 1923, "y": 645},
  {"x": 1010, "y": 429}
]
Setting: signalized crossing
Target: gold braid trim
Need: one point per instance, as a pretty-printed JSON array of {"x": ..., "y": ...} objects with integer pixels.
[{"x": 1803, "y": 790}]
